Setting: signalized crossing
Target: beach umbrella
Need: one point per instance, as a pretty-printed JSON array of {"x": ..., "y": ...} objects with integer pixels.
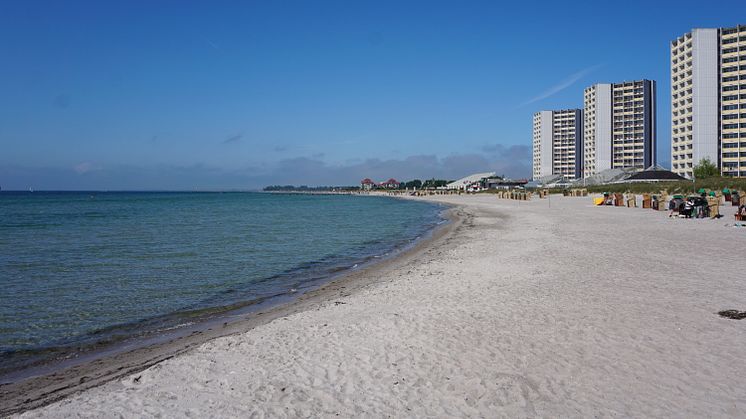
[
  {"x": 726, "y": 190},
  {"x": 701, "y": 190}
]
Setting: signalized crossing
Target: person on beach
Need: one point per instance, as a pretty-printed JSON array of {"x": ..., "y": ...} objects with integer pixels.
[
  {"x": 741, "y": 213},
  {"x": 672, "y": 206}
]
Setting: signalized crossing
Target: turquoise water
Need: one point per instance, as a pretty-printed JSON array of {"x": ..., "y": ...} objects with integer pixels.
[{"x": 81, "y": 268}]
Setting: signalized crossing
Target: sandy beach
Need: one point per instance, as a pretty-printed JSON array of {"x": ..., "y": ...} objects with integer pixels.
[{"x": 519, "y": 309}]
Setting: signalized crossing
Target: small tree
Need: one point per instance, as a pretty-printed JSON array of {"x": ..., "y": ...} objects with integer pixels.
[
  {"x": 705, "y": 168},
  {"x": 413, "y": 184}
]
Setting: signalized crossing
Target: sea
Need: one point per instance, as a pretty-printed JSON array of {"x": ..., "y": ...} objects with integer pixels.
[{"x": 83, "y": 270}]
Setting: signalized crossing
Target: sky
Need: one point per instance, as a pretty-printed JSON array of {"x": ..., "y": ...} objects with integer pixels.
[{"x": 182, "y": 95}]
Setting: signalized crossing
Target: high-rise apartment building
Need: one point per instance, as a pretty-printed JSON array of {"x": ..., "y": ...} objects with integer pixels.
[
  {"x": 708, "y": 100},
  {"x": 733, "y": 101},
  {"x": 542, "y": 150},
  {"x": 558, "y": 143},
  {"x": 694, "y": 100},
  {"x": 597, "y": 111},
  {"x": 634, "y": 135},
  {"x": 619, "y": 128}
]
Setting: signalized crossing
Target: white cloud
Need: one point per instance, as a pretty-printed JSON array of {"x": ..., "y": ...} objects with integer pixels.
[
  {"x": 564, "y": 84},
  {"x": 85, "y": 167},
  {"x": 510, "y": 160}
]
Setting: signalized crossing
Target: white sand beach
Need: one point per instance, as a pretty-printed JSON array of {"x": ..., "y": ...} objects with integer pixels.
[{"x": 522, "y": 310}]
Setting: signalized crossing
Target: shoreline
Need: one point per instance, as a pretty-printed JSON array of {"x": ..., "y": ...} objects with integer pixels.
[
  {"x": 520, "y": 309},
  {"x": 52, "y": 383},
  {"x": 126, "y": 337}
]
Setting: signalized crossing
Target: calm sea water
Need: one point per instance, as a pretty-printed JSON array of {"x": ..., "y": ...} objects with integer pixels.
[{"x": 81, "y": 268}]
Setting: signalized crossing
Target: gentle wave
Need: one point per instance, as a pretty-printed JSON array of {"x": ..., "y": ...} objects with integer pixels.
[{"x": 83, "y": 273}]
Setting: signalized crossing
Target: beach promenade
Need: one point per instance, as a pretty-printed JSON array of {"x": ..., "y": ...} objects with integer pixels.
[{"x": 518, "y": 310}]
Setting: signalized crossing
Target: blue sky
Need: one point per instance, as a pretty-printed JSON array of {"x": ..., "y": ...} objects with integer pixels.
[{"x": 180, "y": 95}]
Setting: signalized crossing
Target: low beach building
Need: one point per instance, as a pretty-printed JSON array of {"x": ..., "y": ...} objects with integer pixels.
[
  {"x": 504, "y": 183},
  {"x": 390, "y": 184},
  {"x": 367, "y": 184},
  {"x": 628, "y": 175},
  {"x": 653, "y": 174},
  {"x": 472, "y": 182}
]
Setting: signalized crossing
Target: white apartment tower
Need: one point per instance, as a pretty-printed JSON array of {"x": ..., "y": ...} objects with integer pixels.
[
  {"x": 542, "y": 150},
  {"x": 597, "y": 110},
  {"x": 708, "y": 100},
  {"x": 733, "y": 101},
  {"x": 619, "y": 128},
  {"x": 558, "y": 143}
]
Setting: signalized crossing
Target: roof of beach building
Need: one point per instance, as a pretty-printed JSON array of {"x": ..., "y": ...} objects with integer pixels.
[
  {"x": 392, "y": 181},
  {"x": 470, "y": 179},
  {"x": 654, "y": 173},
  {"x": 548, "y": 179},
  {"x": 498, "y": 179},
  {"x": 605, "y": 176},
  {"x": 622, "y": 175},
  {"x": 367, "y": 181}
]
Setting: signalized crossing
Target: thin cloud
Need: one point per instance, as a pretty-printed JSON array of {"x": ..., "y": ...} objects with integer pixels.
[
  {"x": 563, "y": 85},
  {"x": 511, "y": 160},
  {"x": 85, "y": 167},
  {"x": 233, "y": 139}
]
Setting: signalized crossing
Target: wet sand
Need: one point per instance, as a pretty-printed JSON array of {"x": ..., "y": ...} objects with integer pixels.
[{"x": 518, "y": 309}]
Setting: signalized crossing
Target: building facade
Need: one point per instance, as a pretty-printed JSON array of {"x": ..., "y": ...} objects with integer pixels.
[
  {"x": 619, "y": 127},
  {"x": 597, "y": 111},
  {"x": 558, "y": 143},
  {"x": 634, "y": 135},
  {"x": 708, "y": 100},
  {"x": 542, "y": 144},
  {"x": 733, "y": 101}
]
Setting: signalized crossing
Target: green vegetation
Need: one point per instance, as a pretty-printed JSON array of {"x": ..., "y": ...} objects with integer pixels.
[
  {"x": 435, "y": 183},
  {"x": 412, "y": 184},
  {"x": 716, "y": 183},
  {"x": 705, "y": 169}
]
